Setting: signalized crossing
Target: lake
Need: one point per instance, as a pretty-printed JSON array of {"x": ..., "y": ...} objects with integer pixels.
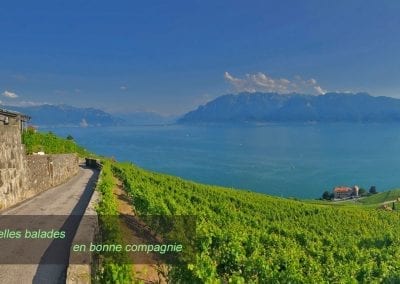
[{"x": 297, "y": 160}]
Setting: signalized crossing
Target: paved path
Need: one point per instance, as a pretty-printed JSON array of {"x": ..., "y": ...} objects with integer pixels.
[{"x": 68, "y": 199}]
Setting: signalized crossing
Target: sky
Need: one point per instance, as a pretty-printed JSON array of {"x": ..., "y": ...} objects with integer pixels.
[{"x": 171, "y": 56}]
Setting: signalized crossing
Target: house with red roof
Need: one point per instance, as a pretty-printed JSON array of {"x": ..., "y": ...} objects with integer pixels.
[{"x": 343, "y": 192}]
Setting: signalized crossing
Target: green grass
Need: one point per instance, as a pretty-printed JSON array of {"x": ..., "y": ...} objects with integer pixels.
[
  {"x": 51, "y": 144},
  {"x": 371, "y": 201},
  {"x": 346, "y": 203},
  {"x": 381, "y": 197}
]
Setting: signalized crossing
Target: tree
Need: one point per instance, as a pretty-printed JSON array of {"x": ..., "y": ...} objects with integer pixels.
[
  {"x": 361, "y": 192},
  {"x": 393, "y": 206},
  {"x": 326, "y": 195},
  {"x": 372, "y": 189},
  {"x": 69, "y": 137}
]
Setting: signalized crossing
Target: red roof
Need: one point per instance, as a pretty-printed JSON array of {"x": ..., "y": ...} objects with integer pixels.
[{"x": 342, "y": 189}]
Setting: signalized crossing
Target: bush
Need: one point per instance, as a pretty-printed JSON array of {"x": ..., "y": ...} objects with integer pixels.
[{"x": 326, "y": 195}]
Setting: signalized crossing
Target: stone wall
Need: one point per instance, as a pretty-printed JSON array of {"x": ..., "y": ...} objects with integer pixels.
[
  {"x": 22, "y": 176},
  {"x": 46, "y": 171},
  {"x": 12, "y": 166}
]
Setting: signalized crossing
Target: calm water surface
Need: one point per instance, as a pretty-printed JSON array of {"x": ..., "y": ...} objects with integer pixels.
[{"x": 285, "y": 160}]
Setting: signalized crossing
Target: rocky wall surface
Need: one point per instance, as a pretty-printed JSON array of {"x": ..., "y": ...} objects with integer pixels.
[
  {"x": 23, "y": 176},
  {"x": 12, "y": 166},
  {"x": 46, "y": 171}
]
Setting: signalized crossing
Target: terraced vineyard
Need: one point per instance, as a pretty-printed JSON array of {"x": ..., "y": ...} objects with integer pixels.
[
  {"x": 245, "y": 237},
  {"x": 248, "y": 237}
]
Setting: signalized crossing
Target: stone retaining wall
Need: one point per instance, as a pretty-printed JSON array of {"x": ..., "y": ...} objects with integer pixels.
[
  {"x": 46, "y": 171},
  {"x": 23, "y": 176},
  {"x": 12, "y": 166}
]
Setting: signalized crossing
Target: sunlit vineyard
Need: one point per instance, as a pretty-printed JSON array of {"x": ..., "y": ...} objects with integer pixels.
[
  {"x": 246, "y": 237},
  {"x": 113, "y": 267}
]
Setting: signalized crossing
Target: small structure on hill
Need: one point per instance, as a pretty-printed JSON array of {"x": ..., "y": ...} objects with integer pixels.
[
  {"x": 13, "y": 118},
  {"x": 343, "y": 192}
]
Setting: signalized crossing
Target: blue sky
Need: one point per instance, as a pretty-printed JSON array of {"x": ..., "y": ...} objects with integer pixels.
[{"x": 170, "y": 56}]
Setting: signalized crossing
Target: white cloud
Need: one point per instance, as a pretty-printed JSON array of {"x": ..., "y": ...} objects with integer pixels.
[
  {"x": 261, "y": 82},
  {"x": 27, "y": 103},
  {"x": 319, "y": 90},
  {"x": 10, "y": 95},
  {"x": 123, "y": 88}
]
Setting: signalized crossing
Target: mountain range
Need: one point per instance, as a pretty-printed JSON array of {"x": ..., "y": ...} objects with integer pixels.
[
  {"x": 273, "y": 107},
  {"x": 233, "y": 108},
  {"x": 47, "y": 115}
]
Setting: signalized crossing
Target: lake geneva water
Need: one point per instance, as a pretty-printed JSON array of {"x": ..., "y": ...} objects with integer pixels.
[{"x": 298, "y": 160}]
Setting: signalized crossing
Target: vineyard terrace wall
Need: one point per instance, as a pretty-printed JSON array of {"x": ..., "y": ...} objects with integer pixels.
[
  {"x": 46, "y": 171},
  {"x": 13, "y": 166},
  {"x": 23, "y": 176}
]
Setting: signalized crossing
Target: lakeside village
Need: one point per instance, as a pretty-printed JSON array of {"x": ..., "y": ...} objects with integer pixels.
[{"x": 340, "y": 193}]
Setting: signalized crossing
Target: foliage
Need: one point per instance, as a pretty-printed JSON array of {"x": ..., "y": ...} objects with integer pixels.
[
  {"x": 50, "y": 144},
  {"x": 372, "y": 190},
  {"x": 114, "y": 267},
  {"x": 326, "y": 195},
  {"x": 362, "y": 192},
  {"x": 245, "y": 237}
]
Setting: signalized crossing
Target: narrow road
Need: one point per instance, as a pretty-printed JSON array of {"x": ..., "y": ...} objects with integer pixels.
[{"x": 69, "y": 199}]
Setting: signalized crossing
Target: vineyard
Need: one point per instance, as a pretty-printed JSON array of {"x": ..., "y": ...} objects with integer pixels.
[
  {"x": 113, "y": 267},
  {"x": 245, "y": 237}
]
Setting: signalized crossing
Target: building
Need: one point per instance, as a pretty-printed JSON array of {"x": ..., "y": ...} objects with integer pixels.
[
  {"x": 343, "y": 192},
  {"x": 13, "y": 118}
]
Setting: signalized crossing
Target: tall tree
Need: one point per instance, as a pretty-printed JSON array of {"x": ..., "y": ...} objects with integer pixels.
[{"x": 326, "y": 195}]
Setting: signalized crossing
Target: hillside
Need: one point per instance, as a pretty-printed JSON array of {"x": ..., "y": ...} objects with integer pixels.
[
  {"x": 68, "y": 116},
  {"x": 246, "y": 237},
  {"x": 381, "y": 197},
  {"x": 64, "y": 115},
  {"x": 49, "y": 143},
  {"x": 273, "y": 107}
]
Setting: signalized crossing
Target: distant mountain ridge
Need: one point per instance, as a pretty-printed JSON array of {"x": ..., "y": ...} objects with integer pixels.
[
  {"x": 65, "y": 115},
  {"x": 273, "y": 107},
  {"x": 68, "y": 116}
]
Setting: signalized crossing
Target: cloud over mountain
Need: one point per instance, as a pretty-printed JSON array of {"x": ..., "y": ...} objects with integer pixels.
[
  {"x": 10, "y": 95},
  {"x": 273, "y": 107},
  {"x": 260, "y": 82}
]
